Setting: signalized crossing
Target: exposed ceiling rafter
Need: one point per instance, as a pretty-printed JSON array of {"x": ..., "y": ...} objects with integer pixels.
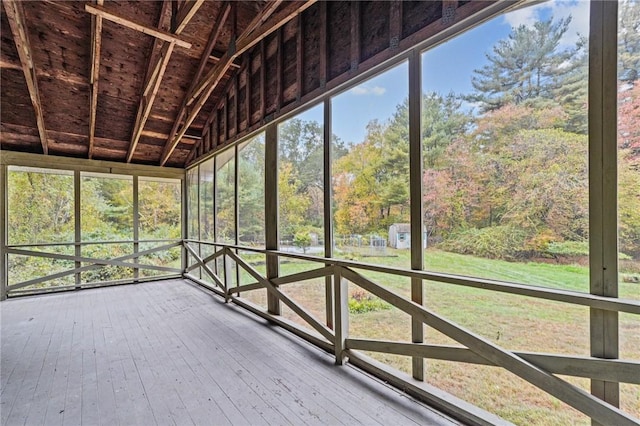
[
  {"x": 157, "y": 67},
  {"x": 154, "y": 32},
  {"x": 15, "y": 16},
  {"x": 96, "y": 43},
  {"x": 206, "y": 55},
  {"x": 263, "y": 26}
]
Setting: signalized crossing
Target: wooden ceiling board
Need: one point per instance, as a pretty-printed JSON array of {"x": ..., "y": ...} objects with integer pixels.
[{"x": 295, "y": 52}]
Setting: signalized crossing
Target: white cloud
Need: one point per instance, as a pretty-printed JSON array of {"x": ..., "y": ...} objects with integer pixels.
[
  {"x": 526, "y": 16},
  {"x": 578, "y": 10},
  {"x": 365, "y": 90},
  {"x": 579, "y": 26}
]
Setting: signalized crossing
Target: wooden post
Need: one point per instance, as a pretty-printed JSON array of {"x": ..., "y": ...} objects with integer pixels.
[
  {"x": 77, "y": 219},
  {"x": 4, "y": 258},
  {"x": 603, "y": 221},
  {"x": 214, "y": 222},
  {"x": 198, "y": 216},
  {"x": 227, "y": 274},
  {"x": 236, "y": 208},
  {"x": 328, "y": 215},
  {"x": 136, "y": 226},
  {"x": 184, "y": 222},
  {"x": 415, "y": 191},
  {"x": 341, "y": 320},
  {"x": 271, "y": 210}
]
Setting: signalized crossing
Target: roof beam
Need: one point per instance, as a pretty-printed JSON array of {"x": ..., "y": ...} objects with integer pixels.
[
  {"x": 248, "y": 39},
  {"x": 15, "y": 16},
  {"x": 96, "y": 44},
  {"x": 154, "y": 32},
  {"x": 206, "y": 56},
  {"x": 157, "y": 67}
]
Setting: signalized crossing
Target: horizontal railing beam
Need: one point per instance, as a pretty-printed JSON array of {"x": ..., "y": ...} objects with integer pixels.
[
  {"x": 566, "y": 392},
  {"x": 538, "y": 292},
  {"x": 613, "y": 370},
  {"x": 90, "y": 267},
  {"x": 102, "y": 262}
]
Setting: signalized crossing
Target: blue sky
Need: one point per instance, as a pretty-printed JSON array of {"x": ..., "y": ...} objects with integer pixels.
[{"x": 445, "y": 68}]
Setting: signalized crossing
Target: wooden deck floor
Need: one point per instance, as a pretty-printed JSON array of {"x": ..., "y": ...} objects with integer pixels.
[{"x": 171, "y": 353}]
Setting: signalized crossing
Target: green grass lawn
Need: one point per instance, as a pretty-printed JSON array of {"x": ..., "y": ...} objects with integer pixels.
[{"x": 514, "y": 322}]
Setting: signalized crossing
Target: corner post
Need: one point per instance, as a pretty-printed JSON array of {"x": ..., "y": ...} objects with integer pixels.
[
  {"x": 136, "y": 226},
  {"x": 77, "y": 218},
  {"x": 4, "y": 258},
  {"x": 184, "y": 222}
]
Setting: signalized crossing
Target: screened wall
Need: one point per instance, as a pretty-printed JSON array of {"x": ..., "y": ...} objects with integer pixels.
[
  {"x": 495, "y": 176},
  {"x": 80, "y": 224}
]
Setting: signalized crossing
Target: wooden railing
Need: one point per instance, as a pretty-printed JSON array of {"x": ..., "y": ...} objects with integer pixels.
[
  {"x": 539, "y": 369},
  {"x": 47, "y": 283}
]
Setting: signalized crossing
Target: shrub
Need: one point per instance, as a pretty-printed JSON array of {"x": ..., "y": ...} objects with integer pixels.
[
  {"x": 495, "y": 242},
  {"x": 361, "y": 302},
  {"x": 569, "y": 248}
]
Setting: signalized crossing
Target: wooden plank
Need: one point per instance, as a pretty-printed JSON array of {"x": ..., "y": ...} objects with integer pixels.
[
  {"x": 395, "y": 23},
  {"x": 186, "y": 12},
  {"x": 125, "y": 22},
  {"x": 299, "y": 57},
  {"x": 572, "y": 395},
  {"x": 603, "y": 220},
  {"x": 328, "y": 206},
  {"x": 416, "y": 200},
  {"x": 272, "y": 238},
  {"x": 4, "y": 232},
  {"x": 78, "y": 259},
  {"x": 324, "y": 54},
  {"x": 341, "y": 315},
  {"x": 435, "y": 397},
  {"x": 94, "y": 75},
  {"x": 319, "y": 327},
  {"x": 89, "y": 267},
  {"x": 156, "y": 69},
  {"x": 206, "y": 268},
  {"x": 355, "y": 36},
  {"x": 263, "y": 79},
  {"x": 15, "y": 158},
  {"x": 15, "y": 15},
  {"x": 303, "y": 276},
  {"x": 603, "y": 369},
  {"x": 279, "y": 69},
  {"x": 206, "y": 55},
  {"x": 247, "y": 40},
  {"x": 182, "y": 357},
  {"x": 573, "y": 297}
]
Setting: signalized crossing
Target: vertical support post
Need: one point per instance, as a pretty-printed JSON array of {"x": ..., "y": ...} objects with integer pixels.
[
  {"x": 328, "y": 216},
  {"x": 184, "y": 222},
  {"x": 415, "y": 194},
  {"x": 341, "y": 321},
  {"x": 214, "y": 222},
  {"x": 271, "y": 210},
  {"x": 136, "y": 226},
  {"x": 198, "y": 218},
  {"x": 227, "y": 273},
  {"x": 4, "y": 205},
  {"x": 603, "y": 238},
  {"x": 236, "y": 207},
  {"x": 77, "y": 223}
]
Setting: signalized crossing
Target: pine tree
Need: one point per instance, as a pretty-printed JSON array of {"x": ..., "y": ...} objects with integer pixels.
[
  {"x": 526, "y": 67},
  {"x": 629, "y": 41}
]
